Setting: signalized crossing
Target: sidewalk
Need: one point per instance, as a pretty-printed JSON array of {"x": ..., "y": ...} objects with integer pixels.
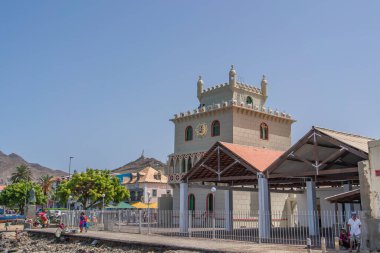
[{"x": 195, "y": 244}]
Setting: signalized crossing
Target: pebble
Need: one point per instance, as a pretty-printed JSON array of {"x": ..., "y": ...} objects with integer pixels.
[{"x": 42, "y": 244}]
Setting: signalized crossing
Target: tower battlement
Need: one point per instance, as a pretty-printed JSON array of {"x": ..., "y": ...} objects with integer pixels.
[
  {"x": 232, "y": 90},
  {"x": 233, "y": 103}
]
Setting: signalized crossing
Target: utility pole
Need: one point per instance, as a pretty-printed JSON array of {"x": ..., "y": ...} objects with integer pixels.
[{"x": 71, "y": 157}]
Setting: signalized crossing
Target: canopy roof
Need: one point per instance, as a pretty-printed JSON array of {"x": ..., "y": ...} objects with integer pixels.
[
  {"x": 231, "y": 163},
  {"x": 121, "y": 205},
  {"x": 345, "y": 197},
  {"x": 328, "y": 156}
]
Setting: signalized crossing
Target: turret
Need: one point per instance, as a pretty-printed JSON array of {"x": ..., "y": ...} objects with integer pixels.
[
  {"x": 199, "y": 87},
  {"x": 232, "y": 75},
  {"x": 264, "y": 84}
]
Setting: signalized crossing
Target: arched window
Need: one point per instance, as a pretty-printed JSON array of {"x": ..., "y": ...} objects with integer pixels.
[
  {"x": 210, "y": 202},
  {"x": 264, "y": 131},
  {"x": 191, "y": 202},
  {"x": 215, "y": 128},
  {"x": 249, "y": 100},
  {"x": 189, "y": 133}
]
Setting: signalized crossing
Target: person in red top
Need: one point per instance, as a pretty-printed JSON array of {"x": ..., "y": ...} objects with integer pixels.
[{"x": 344, "y": 239}]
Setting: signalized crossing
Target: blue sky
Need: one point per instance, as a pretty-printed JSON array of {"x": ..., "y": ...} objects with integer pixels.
[{"x": 99, "y": 80}]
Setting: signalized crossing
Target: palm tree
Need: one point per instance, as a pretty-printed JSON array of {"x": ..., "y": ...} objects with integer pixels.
[
  {"x": 23, "y": 173},
  {"x": 46, "y": 183}
]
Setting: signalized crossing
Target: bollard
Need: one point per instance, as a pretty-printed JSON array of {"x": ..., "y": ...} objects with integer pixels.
[
  {"x": 140, "y": 216},
  {"x": 308, "y": 244},
  {"x": 323, "y": 244},
  {"x": 336, "y": 243}
]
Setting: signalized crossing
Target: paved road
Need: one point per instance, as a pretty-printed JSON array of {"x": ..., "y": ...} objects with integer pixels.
[{"x": 195, "y": 244}]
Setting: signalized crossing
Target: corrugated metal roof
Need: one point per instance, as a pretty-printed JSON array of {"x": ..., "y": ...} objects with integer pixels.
[
  {"x": 345, "y": 197},
  {"x": 356, "y": 141}
]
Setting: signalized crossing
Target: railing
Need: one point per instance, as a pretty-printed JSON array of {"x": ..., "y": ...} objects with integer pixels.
[{"x": 284, "y": 228}]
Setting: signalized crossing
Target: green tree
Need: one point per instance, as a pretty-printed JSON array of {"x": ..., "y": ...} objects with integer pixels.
[
  {"x": 88, "y": 187},
  {"x": 23, "y": 173},
  {"x": 15, "y": 194}
]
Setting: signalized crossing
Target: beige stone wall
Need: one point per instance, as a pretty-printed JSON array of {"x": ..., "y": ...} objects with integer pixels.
[
  {"x": 238, "y": 126},
  {"x": 161, "y": 190},
  {"x": 216, "y": 96},
  {"x": 227, "y": 93},
  {"x": 374, "y": 164},
  {"x": 246, "y": 130},
  {"x": 241, "y": 96},
  {"x": 199, "y": 144}
]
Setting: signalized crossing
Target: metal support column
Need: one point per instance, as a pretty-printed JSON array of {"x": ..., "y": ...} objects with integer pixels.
[
  {"x": 264, "y": 207},
  {"x": 312, "y": 214},
  {"x": 183, "y": 207},
  {"x": 228, "y": 209}
]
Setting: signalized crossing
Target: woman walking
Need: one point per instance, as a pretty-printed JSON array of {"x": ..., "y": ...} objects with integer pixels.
[{"x": 83, "y": 222}]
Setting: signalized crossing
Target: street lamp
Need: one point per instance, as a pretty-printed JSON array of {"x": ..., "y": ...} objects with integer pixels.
[
  {"x": 71, "y": 157},
  {"x": 103, "y": 195},
  {"x": 213, "y": 190},
  {"x": 69, "y": 207},
  {"x": 149, "y": 198}
]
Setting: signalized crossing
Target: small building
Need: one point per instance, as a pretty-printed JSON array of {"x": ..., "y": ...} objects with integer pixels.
[{"x": 145, "y": 183}]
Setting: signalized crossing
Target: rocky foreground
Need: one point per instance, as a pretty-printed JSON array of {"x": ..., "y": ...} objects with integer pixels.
[{"x": 25, "y": 243}]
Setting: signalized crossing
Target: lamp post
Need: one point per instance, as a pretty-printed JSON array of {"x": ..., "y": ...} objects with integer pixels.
[
  {"x": 71, "y": 157},
  {"x": 213, "y": 190},
  {"x": 148, "y": 193},
  {"x": 103, "y": 195},
  {"x": 69, "y": 207}
]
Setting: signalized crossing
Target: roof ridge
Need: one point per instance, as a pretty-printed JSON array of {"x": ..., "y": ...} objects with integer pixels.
[{"x": 341, "y": 132}]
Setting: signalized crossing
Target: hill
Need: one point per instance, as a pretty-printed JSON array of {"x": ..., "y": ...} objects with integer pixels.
[
  {"x": 8, "y": 164},
  {"x": 141, "y": 163}
]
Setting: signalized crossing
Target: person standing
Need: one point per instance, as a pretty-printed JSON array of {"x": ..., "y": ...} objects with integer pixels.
[
  {"x": 82, "y": 223},
  {"x": 354, "y": 226}
]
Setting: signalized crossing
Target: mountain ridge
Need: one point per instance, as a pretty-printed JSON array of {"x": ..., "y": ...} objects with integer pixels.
[
  {"x": 141, "y": 163},
  {"x": 8, "y": 164}
]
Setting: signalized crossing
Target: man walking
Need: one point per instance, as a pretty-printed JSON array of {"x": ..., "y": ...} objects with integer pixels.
[{"x": 354, "y": 226}]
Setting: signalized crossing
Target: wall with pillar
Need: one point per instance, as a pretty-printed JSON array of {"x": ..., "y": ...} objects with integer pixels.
[
  {"x": 370, "y": 196},
  {"x": 325, "y": 206},
  {"x": 242, "y": 201}
]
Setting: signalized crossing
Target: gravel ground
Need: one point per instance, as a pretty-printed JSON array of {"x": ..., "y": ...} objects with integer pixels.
[{"x": 24, "y": 243}]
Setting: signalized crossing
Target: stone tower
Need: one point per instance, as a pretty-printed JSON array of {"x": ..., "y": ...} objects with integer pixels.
[{"x": 233, "y": 112}]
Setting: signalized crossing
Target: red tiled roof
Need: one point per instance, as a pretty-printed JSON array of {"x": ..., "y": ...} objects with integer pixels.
[{"x": 259, "y": 158}]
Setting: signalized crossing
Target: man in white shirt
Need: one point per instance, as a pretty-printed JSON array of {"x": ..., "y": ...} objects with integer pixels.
[{"x": 354, "y": 226}]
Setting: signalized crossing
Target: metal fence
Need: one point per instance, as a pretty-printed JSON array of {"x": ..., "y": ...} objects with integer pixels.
[{"x": 284, "y": 228}]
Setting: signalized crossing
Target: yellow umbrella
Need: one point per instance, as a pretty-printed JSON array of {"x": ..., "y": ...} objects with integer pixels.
[
  {"x": 153, "y": 205},
  {"x": 140, "y": 205}
]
